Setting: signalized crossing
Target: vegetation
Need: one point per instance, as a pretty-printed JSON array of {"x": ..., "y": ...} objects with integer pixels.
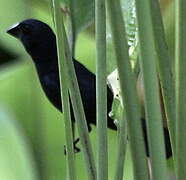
[{"x": 131, "y": 36}]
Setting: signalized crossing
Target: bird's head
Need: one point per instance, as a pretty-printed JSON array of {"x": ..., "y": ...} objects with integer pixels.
[{"x": 35, "y": 36}]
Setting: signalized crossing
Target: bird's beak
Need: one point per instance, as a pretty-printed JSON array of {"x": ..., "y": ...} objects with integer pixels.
[{"x": 14, "y": 30}]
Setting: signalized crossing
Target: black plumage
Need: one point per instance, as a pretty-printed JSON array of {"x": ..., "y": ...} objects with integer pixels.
[{"x": 39, "y": 41}]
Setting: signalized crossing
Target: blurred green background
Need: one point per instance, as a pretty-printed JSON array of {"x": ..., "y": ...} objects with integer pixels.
[{"x": 31, "y": 129}]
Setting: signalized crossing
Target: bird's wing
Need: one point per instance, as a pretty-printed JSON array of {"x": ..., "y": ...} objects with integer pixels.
[{"x": 51, "y": 87}]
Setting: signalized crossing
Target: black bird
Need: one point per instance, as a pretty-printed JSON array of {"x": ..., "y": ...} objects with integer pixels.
[{"x": 39, "y": 41}]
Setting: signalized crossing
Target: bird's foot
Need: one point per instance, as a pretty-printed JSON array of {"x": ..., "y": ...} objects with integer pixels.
[{"x": 76, "y": 149}]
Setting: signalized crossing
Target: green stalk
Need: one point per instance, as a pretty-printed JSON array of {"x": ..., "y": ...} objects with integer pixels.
[
  {"x": 151, "y": 88},
  {"x": 72, "y": 39},
  {"x": 76, "y": 99},
  {"x": 80, "y": 116},
  {"x": 180, "y": 89},
  {"x": 122, "y": 146},
  {"x": 136, "y": 69},
  {"x": 101, "y": 91},
  {"x": 128, "y": 91},
  {"x": 64, "y": 93},
  {"x": 169, "y": 22},
  {"x": 165, "y": 70},
  {"x": 72, "y": 27}
]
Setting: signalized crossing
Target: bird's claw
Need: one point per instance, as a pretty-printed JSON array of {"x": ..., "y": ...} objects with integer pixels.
[{"x": 76, "y": 149}]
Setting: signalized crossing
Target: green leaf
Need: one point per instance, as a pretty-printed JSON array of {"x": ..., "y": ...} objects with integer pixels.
[
  {"x": 16, "y": 161},
  {"x": 83, "y": 12},
  {"x": 129, "y": 15}
]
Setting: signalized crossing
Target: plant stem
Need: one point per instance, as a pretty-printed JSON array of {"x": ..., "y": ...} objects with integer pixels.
[
  {"x": 180, "y": 89},
  {"x": 72, "y": 27},
  {"x": 76, "y": 98},
  {"x": 165, "y": 70},
  {"x": 79, "y": 115},
  {"x": 64, "y": 93},
  {"x": 128, "y": 91},
  {"x": 122, "y": 146},
  {"x": 151, "y": 88},
  {"x": 101, "y": 91}
]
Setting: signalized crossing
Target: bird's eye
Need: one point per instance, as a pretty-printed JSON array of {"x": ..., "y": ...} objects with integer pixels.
[{"x": 25, "y": 28}]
